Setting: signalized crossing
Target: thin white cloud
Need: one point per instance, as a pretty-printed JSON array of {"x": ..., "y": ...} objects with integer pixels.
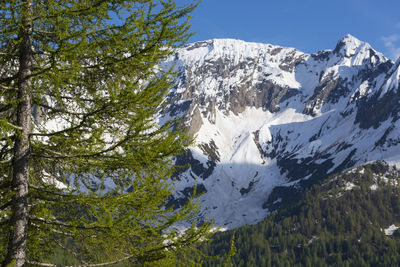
[
  {"x": 392, "y": 43},
  {"x": 391, "y": 38}
]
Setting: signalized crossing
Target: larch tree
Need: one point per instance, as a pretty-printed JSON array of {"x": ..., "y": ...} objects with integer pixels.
[{"x": 84, "y": 165}]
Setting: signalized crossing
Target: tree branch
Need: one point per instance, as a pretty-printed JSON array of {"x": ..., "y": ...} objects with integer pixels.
[
  {"x": 63, "y": 110},
  {"x": 63, "y": 156},
  {"x": 80, "y": 124},
  {"x": 58, "y": 223},
  {"x": 43, "y": 32},
  {"x": 7, "y": 204},
  {"x": 7, "y": 87},
  {"x": 56, "y": 14},
  {"x": 73, "y": 253},
  {"x": 5, "y": 161},
  {"x": 5, "y": 107},
  {"x": 86, "y": 265},
  {"x": 9, "y": 79},
  {"x": 51, "y": 229},
  {"x": 14, "y": 126},
  {"x": 47, "y": 191},
  {"x": 6, "y": 184}
]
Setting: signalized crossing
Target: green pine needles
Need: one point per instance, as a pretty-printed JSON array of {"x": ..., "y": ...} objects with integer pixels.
[{"x": 84, "y": 167}]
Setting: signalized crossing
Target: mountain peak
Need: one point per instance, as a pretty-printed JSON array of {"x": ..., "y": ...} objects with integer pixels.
[
  {"x": 348, "y": 38},
  {"x": 348, "y": 45}
]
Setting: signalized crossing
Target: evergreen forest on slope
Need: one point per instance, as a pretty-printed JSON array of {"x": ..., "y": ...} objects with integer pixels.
[{"x": 339, "y": 222}]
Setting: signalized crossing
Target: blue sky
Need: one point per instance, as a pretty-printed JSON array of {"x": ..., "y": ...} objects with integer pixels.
[{"x": 308, "y": 25}]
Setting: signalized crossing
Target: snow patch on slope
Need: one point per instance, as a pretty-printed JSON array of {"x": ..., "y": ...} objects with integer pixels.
[
  {"x": 393, "y": 81},
  {"x": 391, "y": 229}
]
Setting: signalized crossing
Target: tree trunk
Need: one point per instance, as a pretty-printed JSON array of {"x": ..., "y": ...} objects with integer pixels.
[{"x": 16, "y": 253}]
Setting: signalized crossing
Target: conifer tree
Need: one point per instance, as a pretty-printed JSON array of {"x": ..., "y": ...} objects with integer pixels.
[{"x": 84, "y": 166}]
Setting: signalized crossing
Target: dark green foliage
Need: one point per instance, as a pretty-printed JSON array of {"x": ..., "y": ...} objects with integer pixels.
[
  {"x": 79, "y": 94},
  {"x": 328, "y": 226}
]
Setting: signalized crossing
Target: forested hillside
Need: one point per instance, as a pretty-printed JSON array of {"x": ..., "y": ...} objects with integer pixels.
[{"x": 347, "y": 220}]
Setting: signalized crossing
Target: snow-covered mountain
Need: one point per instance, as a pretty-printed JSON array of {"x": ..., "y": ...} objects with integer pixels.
[{"x": 269, "y": 120}]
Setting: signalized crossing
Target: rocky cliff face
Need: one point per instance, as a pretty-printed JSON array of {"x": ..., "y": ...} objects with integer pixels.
[{"x": 270, "y": 120}]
